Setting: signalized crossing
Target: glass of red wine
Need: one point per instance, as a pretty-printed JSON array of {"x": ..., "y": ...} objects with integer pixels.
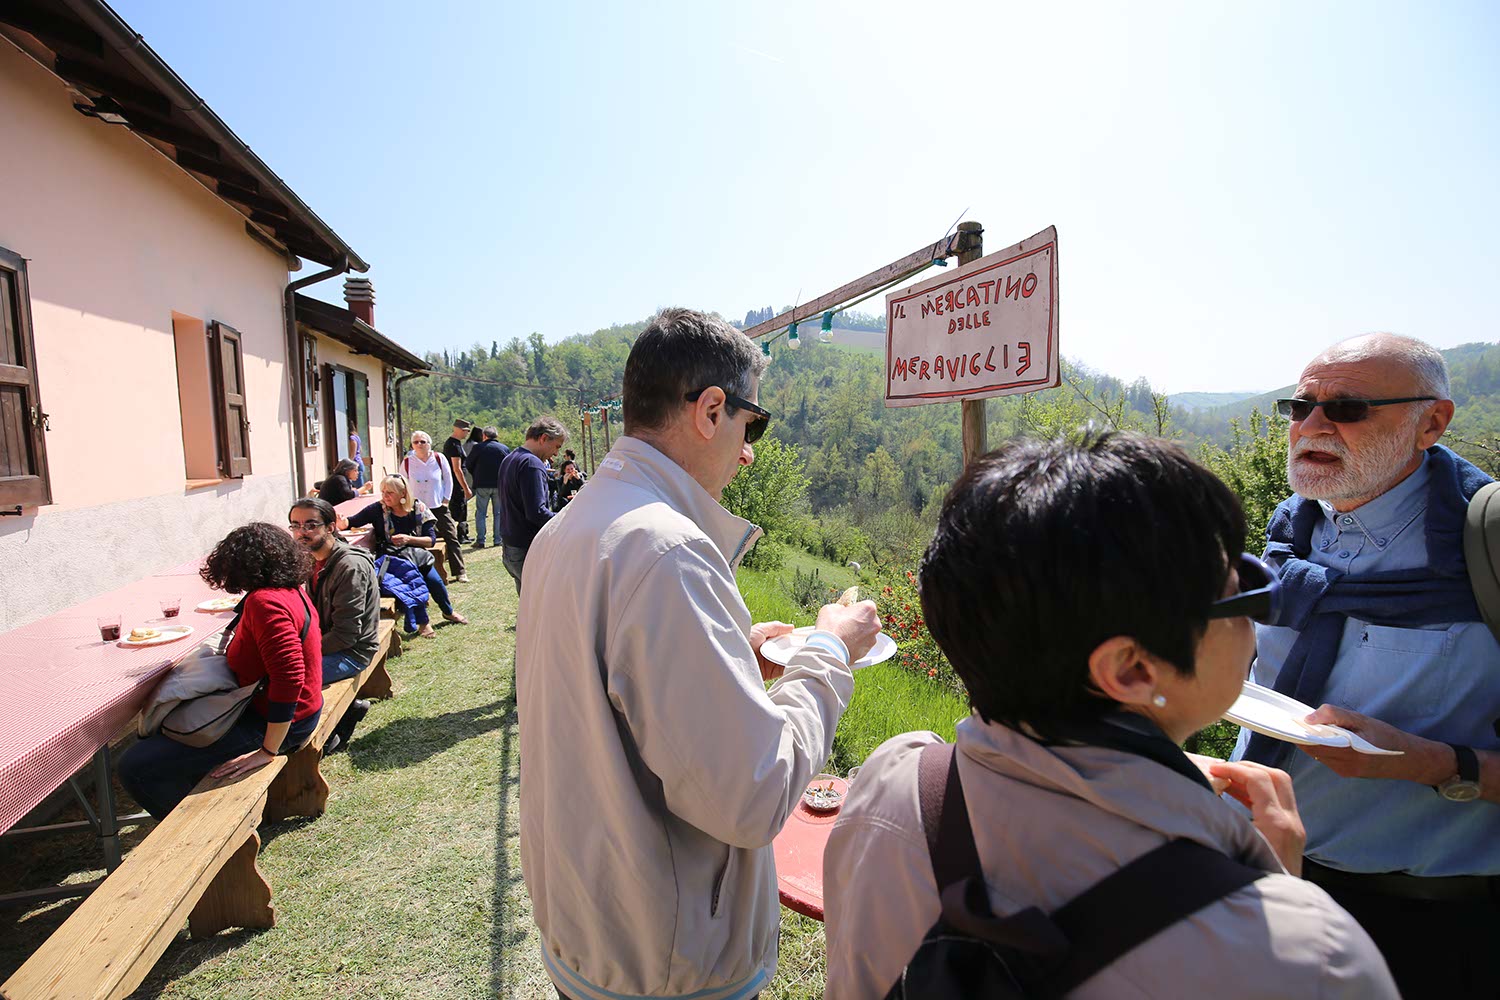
[
  {"x": 170, "y": 606},
  {"x": 109, "y": 627}
]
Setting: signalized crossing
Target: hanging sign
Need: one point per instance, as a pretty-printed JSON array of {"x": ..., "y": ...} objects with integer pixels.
[{"x": 988, "y": 329}]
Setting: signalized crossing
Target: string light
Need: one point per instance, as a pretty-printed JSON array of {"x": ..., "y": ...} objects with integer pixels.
[
  {"x": 826, "y": 336},
  {"x": 792, "y": 341}
]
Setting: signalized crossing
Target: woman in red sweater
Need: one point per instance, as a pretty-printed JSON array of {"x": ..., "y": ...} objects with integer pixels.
[{"x": 276, "y": 643}]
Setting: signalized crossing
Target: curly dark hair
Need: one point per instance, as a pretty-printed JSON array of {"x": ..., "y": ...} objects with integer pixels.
[{"x": 255, "y": 556}]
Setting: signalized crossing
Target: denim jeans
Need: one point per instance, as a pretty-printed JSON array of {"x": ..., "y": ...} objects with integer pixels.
[
  {"x": 514, "y": 559},
  {"x": 484, "y": 498},
  {"x": 337, "y": 666},
  {"x": 417, "y": 617},
  {"x": 159, "y": 772}
]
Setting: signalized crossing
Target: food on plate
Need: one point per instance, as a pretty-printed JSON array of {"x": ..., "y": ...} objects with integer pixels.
[
  {"x": 220, "y": 604},
  {"x": 142, "y": 634}
]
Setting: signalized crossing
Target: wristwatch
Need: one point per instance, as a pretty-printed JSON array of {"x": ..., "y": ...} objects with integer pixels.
[{"x": 1463, "y": 786}]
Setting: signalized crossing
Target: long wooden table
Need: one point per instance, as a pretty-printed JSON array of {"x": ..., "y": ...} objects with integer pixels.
[{"x": 65, "y": 692}]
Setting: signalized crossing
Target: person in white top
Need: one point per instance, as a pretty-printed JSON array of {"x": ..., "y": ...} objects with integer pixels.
[{"x": 431, "y": 481}]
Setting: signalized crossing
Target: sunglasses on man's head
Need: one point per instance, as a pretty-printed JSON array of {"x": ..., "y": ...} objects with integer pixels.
[
  {"x": 755, "y": 428},
  {"x": 1340, "y": 411},
  {"x": 1259, "y": 598}
]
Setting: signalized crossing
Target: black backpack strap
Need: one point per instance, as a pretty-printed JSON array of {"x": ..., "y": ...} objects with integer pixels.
[
  {"x": 945, "y": 815},
  {"x": 1139, "y": 901}
]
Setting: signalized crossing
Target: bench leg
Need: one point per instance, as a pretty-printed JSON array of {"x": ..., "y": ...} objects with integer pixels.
[
  {"x": 377, "y": 682},
  {"x": 299, "y": 790},
  {"x": 239, "y": 896}
]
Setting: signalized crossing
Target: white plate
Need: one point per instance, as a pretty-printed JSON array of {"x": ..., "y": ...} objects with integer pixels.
[
  {"x": 780, "y": 649},
  {"x": 171, "y": 634},
  {"x": 1274, "y": 714},
  {"x": 216, "y": 604}
]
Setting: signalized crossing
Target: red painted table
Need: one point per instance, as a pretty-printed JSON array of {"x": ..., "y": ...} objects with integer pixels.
[
  {"x": 65, "y": 693},
  {"x": 799, "y": 854}
]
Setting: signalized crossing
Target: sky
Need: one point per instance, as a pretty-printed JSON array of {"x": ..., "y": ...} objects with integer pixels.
[{"x": 1234, "y": 186}]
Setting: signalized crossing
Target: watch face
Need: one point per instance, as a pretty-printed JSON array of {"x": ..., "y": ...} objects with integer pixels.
[{"x": 1458, "y": 790}]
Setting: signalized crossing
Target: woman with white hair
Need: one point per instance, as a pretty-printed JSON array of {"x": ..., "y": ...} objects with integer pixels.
[
  {"x": 431, "y": 479},
  {"x": 404, "y": 527}
]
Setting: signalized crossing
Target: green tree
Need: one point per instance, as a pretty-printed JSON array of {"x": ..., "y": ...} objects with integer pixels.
[
  {"x": 772, "y": 493},
  {"x": 1254, "y": 467}
]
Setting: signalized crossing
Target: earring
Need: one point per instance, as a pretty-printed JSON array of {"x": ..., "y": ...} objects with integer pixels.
[{"x": 1160, "y": 701}]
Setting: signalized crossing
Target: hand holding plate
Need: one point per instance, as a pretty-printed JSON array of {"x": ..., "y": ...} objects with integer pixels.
[
  {"x": 1426, "y": 762},
  {"x": 759, "y": 633}
]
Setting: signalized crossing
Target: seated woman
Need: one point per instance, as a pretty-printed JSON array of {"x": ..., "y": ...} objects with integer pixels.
[
  {"x": 403, "y": 526},
  {"x": 276, "y": 639},
  {"x": 1089, "y": 597},
  {"x": 339, "y": 486},
  {"x": 570, "y": 481}
]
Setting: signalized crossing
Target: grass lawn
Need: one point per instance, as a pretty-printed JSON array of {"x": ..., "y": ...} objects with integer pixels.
[{"x": 410, "y": 885}]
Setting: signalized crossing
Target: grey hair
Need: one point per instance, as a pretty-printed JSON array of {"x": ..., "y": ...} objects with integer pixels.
[
  {"x": 1424, "y": 361},
  {"x": 681, "y": 351},
  {"x": 421, "y": 434},
  {"x": 547, "y": 426},
  {"x": 490, "y": 432}
]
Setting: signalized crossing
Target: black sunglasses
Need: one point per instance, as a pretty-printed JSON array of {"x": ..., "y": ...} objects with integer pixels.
[
  {"x": 1340, "y": 411},
  {"x": 1259, "y": 598},
  {"x": 755, "y": 428}
]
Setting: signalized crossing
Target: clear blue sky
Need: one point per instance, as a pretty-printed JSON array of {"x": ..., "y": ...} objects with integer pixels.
[{"x": 1234, "y": 185}]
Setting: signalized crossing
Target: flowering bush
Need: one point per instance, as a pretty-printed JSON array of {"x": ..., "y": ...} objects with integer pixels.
[{"x": 901, "y": 617}]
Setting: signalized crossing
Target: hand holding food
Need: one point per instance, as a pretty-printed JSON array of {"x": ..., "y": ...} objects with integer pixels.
[{"x": 856, "y": 624}]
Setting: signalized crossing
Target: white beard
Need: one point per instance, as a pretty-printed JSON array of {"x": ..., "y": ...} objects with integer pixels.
[{"x": 1359, "y": 476}]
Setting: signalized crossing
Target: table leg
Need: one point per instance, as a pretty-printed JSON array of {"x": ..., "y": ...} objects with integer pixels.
[{"x": 104, "y": 789}]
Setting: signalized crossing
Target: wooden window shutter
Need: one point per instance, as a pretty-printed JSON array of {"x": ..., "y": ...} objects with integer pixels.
[
  {"x": 311, "y": 404},
  {"x": 390, "y": 406},
  {"x": 23, "y": 447},
  {"x": 229, "y": 393}
]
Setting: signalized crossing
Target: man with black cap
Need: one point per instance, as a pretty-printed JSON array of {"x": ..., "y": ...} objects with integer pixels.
[{"x": 455, "y": 450}]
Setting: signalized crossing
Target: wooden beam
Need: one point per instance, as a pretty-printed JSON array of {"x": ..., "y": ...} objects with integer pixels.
[
  {"x": 972, "y": 416},
  {"x": 124, "y": 91},
  {"x": 189, "y": 160},
  {"x": 51, "y": 29},
  {"x": 252, "y": 200},
  {"x": 144, "y": 122},
  {"x": 894, "y": 271}
]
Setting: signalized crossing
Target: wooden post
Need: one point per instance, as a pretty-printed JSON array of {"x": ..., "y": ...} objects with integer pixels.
[
  {"x": 971, "y": 248},
  {"x": 604, "y": 418}
]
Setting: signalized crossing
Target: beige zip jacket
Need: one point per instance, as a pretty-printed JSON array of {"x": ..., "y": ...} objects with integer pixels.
[
  {"x": 1049, "y": 822},
  {"x": 656, "y": 768}
]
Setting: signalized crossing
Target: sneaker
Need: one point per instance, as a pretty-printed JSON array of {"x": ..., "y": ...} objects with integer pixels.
[{"x": 461, "y": 578}]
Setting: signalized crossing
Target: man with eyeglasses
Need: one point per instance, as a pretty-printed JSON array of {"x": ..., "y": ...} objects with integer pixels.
[
  {"x": 346, "y": 591},
  {"x": 656, "y": 766},
  {"x": 1379, "y": 626}
]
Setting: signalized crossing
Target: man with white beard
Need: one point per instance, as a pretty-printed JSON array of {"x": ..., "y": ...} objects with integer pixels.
[{"x": 1379, "y": 627}]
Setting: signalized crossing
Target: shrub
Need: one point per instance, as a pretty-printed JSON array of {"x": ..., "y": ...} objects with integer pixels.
[{"x": 901, "y": 618}]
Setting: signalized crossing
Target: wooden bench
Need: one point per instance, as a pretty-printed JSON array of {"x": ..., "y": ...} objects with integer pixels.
[{"x": 198, "y": 866}]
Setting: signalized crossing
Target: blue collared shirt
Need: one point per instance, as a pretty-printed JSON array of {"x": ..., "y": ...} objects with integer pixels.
[{"x": 1441, "y": 682}]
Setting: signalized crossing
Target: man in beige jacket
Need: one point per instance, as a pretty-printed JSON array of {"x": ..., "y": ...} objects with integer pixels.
[{"x": 656, "y": 767}]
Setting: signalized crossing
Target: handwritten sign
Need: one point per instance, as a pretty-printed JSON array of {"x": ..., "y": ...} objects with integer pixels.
[{"x": 988, "y": 329}]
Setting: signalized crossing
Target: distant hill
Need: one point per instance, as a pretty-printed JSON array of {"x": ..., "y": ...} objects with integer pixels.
[{"x": 1192, "y": 401}]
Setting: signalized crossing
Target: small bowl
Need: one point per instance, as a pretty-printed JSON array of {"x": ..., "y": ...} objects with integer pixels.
[{"x": 824, "y": 794}]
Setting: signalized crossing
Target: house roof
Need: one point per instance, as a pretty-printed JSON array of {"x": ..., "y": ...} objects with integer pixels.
[
  {"x": 343, "y": 326},
  {"x": 116, "y": 77}
]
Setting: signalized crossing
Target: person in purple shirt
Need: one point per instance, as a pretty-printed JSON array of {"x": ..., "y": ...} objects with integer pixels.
[{"x": 524, "y": 500}]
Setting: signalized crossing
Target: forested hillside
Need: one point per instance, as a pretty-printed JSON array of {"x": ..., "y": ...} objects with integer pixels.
[{"x": 875, "y": 471}]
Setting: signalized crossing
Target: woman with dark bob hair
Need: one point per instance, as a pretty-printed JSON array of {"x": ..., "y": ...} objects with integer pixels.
[
  {"x": 275, "y": 642},
  {"x": 339, "y": 486},
  {"x": 1094, "y": 600}
]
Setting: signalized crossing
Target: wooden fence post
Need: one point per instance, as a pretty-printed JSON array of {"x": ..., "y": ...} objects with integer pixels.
[{"x": 971, "y": 248}]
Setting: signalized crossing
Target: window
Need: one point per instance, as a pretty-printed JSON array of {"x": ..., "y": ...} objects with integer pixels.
[
  {"x": 228, "y": 366},
  {"x": 311, "y": 393},
  {"x": 23, "y": 448}
]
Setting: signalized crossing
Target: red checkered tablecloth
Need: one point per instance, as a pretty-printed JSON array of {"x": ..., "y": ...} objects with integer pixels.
[{"x": 64, "y": 692}]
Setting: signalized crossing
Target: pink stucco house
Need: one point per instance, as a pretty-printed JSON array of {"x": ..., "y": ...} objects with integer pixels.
[{"x": 161, "y": 377}]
